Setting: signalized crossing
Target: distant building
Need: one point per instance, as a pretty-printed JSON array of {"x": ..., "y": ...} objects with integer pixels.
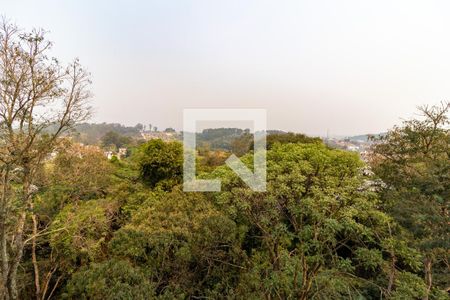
[
  {"x": 165, "y": 136},
  {"x": 109, "y": 154},
  {"x": 120, "y": 154},
  {"x": 352, "y": 148}
]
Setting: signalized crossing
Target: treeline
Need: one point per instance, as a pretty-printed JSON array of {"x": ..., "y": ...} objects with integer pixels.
[
  {"x": 112, "y": 136},
  {"x": 91, "y": 133}
]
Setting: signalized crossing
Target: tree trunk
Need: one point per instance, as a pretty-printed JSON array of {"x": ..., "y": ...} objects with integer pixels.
[
  {"x": 428, "y": 276},
  {"x": 37, "y": 283},
  {"x": 4, "y": 268},
  {"x": 391, "y": 274},
  {"x": 19, "y": 237},
  {"x": 305, "y": 289},
  {"x": 15, "y": 262}
]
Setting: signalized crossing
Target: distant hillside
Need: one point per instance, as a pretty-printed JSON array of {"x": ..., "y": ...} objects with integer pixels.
[
  {"x": 215, "y": 138},
  {"x": 240, "y": 141},
  {"x": 220, "y": 138},
  {"x": 90, "y": 133}
]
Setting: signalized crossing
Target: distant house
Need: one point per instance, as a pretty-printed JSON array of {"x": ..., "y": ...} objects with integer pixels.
[
  {"x": 109, "y": 154},
  {"x": 352, "y": 147},
  {"x": 121, "y": 153}
]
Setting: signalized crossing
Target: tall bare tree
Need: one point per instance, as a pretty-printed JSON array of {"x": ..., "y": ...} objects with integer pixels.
[{"x": 39, "y": 101}]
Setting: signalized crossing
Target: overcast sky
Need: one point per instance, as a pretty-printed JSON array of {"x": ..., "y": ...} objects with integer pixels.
[{"x": 347, "y": 66}]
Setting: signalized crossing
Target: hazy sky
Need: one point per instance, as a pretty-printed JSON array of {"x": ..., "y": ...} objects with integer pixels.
[{"x": 348, "y": 66}]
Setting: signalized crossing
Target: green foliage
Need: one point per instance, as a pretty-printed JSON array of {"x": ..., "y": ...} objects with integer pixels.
[
  {"x": 290, "y": 137},
  {"x": 242, "y": 144},
  {"x": 91, "y": 134},
  {"x": 82, "y": 169},
  {"x": 124, "y": 229},
  {"x": 220, "y": 138},
  {"x": 370, "y": 259},
  {"x": 314, "y": 220},
  {"x": 112, "y": 138},
  {"x": 413, "y": 161},
  {"x": 77, "y": 173},
  {"x": 80, "y": 231},
  {"x": 186, "y": 245},
  {"x": 160, "y": 163},
  {"x": 113, "y": 279},
  {"x": 409, "y": 286}
]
